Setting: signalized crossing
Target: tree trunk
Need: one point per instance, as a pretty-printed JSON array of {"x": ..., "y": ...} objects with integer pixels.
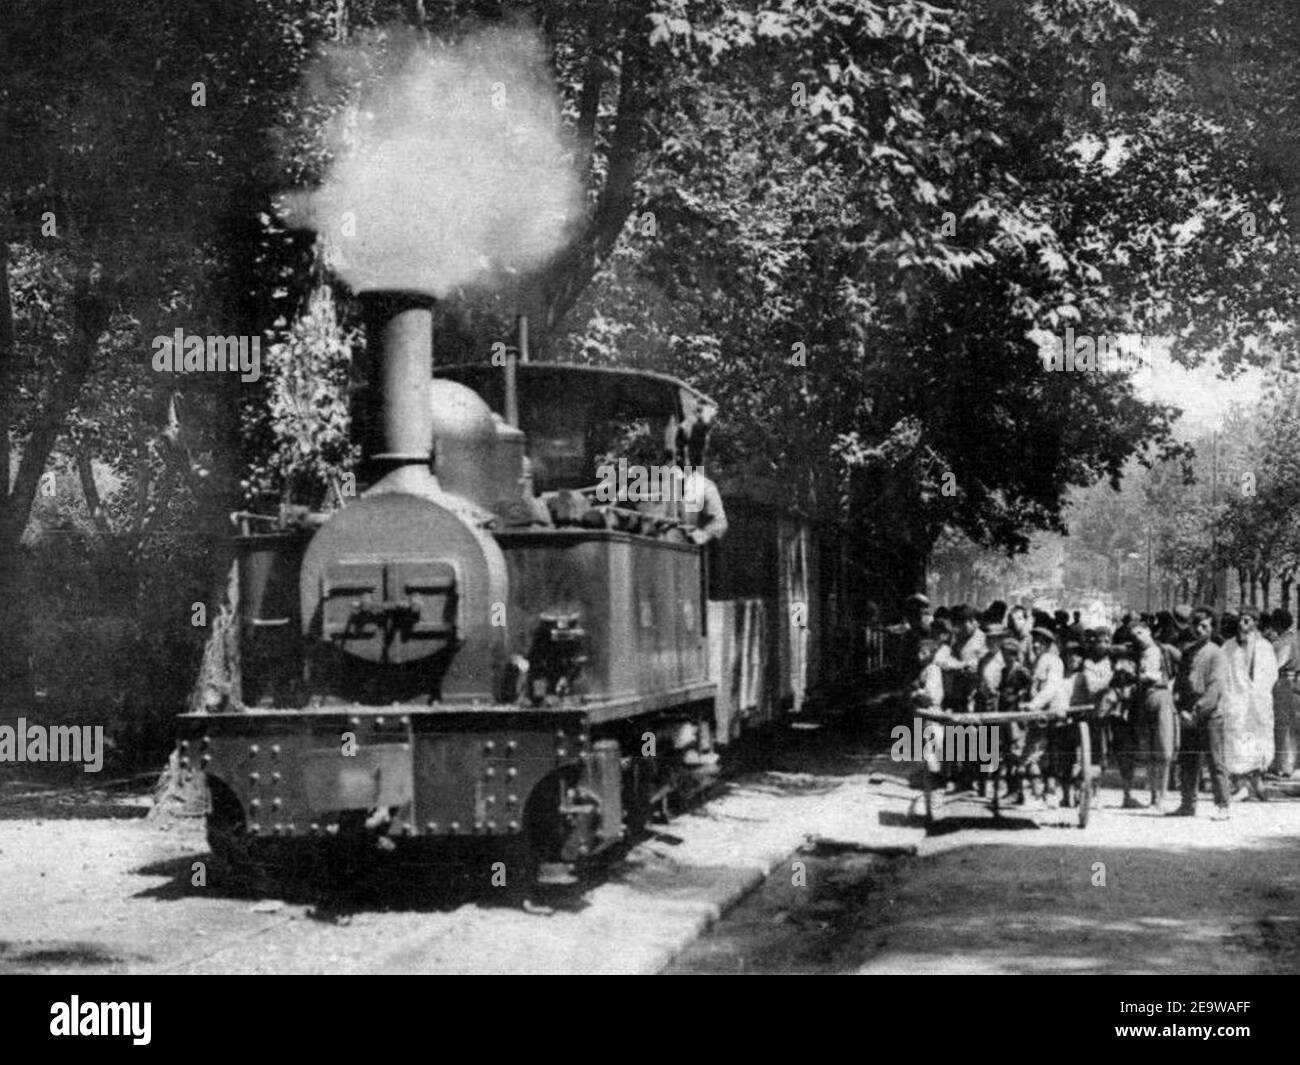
[
  {"x": 218, "y": 685},
  {"x": 86, "y": 473},
  {"x": 90, "y": 314},
  {"x": 15, "y": 681},
  {"x": 7, "y": 357},
  {"x": 571, "y": 273}
]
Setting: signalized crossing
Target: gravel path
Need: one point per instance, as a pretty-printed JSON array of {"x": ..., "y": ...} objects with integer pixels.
[{"x": 89, "y": 885}]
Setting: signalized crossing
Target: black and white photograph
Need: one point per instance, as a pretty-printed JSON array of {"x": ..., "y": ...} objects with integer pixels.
[{"x": 650, "y": 487}]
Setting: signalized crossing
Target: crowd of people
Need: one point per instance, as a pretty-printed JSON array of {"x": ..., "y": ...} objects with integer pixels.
[{"x": 1172, "y": 693}]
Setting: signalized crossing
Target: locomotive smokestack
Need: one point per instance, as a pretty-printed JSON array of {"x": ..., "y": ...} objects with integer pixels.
[{"x": 396, "y": 416}]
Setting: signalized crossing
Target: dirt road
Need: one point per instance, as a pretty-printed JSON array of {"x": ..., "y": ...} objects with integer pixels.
[
  {"x": 1133, "y": 893},
  {"x": 87, "y": 884}
]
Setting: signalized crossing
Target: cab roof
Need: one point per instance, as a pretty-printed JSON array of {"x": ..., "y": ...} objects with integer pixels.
[
  {"x": 648, "y": 390},
  {"x": 574, "y": 416}
]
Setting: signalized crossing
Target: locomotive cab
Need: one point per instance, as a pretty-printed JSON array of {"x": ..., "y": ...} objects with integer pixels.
[{"x": 597, "y": 432}]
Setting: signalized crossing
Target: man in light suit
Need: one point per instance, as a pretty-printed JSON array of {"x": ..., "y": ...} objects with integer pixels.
[{"x": 1248, "y": 705}]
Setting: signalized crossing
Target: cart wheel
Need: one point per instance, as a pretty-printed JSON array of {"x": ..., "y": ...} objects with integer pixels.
[{"x": 1083, "y": 752}]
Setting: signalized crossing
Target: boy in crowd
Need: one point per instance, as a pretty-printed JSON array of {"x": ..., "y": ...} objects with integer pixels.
[
  {"x": 1013, "y": 686},
  {"x": 927, "y": 693},
  {"x": 988, "y": 682},
  {"x": 1061, "y": 737},
  {"x": 962, "y": 678},
  {"x": 1118, "y": 708}
]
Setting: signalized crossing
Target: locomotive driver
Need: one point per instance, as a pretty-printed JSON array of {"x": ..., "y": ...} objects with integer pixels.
[{"x": 704, "y": 517}]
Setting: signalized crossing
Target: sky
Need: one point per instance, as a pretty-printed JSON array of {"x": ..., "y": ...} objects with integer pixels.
[
  {"x": 1201, "y": 393},
  {"x": 1203, "y": 396}
]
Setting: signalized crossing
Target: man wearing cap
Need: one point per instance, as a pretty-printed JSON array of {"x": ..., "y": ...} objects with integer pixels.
[
  {"x": 995, "y": 615},
  {"x": 918, "y": 606},
  {"x": 917, "y": 619},
  {"x": 1248, "y": 704},
  {"x": 1046, "y": 679},
  {"x": 1198, "y": 694}
]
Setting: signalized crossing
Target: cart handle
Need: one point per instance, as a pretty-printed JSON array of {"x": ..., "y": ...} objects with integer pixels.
[{"x": 996, "y": 716}]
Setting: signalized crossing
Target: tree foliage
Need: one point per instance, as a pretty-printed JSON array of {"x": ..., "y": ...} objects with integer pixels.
[{"x": 851, "y": 221}]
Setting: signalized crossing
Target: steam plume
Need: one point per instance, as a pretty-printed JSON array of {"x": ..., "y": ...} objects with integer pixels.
[{"x": 449, "y": 167}]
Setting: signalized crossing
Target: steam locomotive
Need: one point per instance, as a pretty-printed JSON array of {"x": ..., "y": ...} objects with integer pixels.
[{"x": 477, "y": 648}]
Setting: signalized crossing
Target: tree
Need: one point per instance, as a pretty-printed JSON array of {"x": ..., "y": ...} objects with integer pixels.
[
  {"x": 134, "y": 156},
  {"x": 857, "y": 277}
]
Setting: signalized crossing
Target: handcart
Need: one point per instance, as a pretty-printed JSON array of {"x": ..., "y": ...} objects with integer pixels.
[{"x": 1082, "y": 773}]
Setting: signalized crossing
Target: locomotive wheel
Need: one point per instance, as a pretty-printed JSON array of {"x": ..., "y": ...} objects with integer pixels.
[
  {"x": 1083, "y": 754},
  {"x": 249, "y": 863},
  {"x": 638, "y": 795},
  {"x": 664, "y": 786},
  {"x": 522, "y": 864},
  {"x": 678, "y": 794},
  {"x": 539, "y": 871}
]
